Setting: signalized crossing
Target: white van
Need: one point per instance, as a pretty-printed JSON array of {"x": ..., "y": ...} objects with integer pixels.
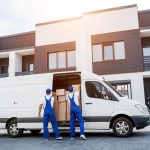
[{"x": 103, "y": 108}]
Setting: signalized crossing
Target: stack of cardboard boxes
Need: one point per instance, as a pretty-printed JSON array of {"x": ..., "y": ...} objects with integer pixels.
[{"x": 61, "y": 105}]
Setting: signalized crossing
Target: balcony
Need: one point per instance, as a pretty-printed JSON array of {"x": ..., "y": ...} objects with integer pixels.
[
  {"x": 24, "y": 73},
  {"x": 4, "y": 63},
  {"x": 24, "y": 63}
]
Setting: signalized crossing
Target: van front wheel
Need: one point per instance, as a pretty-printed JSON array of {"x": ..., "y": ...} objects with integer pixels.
[{"x": 122, "y": 127}]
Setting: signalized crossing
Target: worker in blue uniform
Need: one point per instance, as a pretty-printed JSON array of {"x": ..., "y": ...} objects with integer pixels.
[
  {"x": 75, "y": 113},
  {"x": 47, "y": 104}
]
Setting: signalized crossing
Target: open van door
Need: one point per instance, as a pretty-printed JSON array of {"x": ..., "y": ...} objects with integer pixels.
[{"x": 98, "y": 104}]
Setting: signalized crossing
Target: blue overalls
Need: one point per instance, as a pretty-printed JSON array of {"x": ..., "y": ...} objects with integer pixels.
[
  {"x": 75, "y": 112},
  {"x": 49, "y": 114}
]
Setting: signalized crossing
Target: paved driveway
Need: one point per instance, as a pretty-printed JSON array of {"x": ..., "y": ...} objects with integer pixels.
[{"x": 96, "y": 141}]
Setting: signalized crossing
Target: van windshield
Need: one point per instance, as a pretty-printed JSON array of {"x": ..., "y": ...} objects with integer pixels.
[{"x": 113, "y": 88}]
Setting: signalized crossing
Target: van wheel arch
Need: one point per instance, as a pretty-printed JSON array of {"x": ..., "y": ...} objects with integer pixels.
[
  {"x": 10, "y": 120},
  {"x": 119, "y": 116}
]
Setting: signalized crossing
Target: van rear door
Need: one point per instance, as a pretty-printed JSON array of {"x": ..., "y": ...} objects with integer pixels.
[{"x": 98, "y": 104}]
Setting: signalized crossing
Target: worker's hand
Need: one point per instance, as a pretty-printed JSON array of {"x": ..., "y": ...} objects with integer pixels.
[{"x": 39, "y": 115}]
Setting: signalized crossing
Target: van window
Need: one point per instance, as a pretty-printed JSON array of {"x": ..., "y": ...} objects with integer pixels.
[{"x": 95, "y": 89}]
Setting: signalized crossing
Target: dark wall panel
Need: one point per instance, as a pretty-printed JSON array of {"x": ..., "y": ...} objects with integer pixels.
[
  {"x": 17, "y": 41},
  {"x": 41, "y": 55},
  {"x": 133, "y": 61}
]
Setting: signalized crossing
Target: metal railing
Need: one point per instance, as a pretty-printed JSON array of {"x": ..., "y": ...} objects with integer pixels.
[
  {"x": 3, "y": 75},
  {"x": 24, "y": 73},
  {"x": 146, "y": 63}
]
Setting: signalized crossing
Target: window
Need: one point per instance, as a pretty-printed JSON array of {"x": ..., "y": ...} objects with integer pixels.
[
  {"x": 71, "y": 58},
  {"x": 52, "y": 61},
  {"x": 31, "y": 66},
  {"x": 108, "y": 51},
  {"x": 146, "y": 51},
  {"x": 95, "y": 89},
  {"x": 4, "y": 69},
  {"x": 62, "y": 60},
  {"x": 146, "y": 55},
  {"x": 119, "y": 50},
  {"x": 97, "y": 53},
  {"x": 123, "y": 87}
]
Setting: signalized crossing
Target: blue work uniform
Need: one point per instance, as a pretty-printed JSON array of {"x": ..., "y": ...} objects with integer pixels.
[
  {"x": 49, "y": 114},
  {"x": 75, "y": 112}
]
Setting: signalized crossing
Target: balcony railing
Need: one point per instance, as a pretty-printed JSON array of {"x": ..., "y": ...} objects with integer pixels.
[
  {"x": 3, "y": 75},
  {"x": 24, "y": 73},
  {"x": 146, "y": 63}
]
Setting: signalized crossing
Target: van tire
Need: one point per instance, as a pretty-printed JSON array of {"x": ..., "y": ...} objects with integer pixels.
[
  {"x": 13, "y": 131},
  {"x": 122, "y": 127},
  {"x": 35, "y": 132}
]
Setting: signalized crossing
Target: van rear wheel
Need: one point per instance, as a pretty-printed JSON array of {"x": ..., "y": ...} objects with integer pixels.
[
  {"x": 122, "y": 127},
  {"x": 13, "y": 131}
]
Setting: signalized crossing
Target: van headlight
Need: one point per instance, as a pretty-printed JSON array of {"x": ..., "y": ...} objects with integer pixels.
[{"x": 142, "y": 109}]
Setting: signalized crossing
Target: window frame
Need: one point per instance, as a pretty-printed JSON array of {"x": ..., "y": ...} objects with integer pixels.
[
  {"x": 112, "y": 95},
  {"x": 113, "y": 50},
  {"x": 57, "y": 60}
]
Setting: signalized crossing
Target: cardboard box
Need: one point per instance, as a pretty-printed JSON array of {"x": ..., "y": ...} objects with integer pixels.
[
  {"x": 60, "y": 92},
  {"x": 68, "y": 111},
  {"x": 76, "y": 87},
  {"x": 61, "y": 98},
  {"x": 62, "y": 111},
  {"x": 56, "y": 109}
]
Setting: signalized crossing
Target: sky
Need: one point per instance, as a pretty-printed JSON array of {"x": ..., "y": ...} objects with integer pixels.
[{"x": 17, "y": 16}]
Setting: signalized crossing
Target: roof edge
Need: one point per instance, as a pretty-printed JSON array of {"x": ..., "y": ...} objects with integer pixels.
[
  {"x": 87, "y": 13},
  {"x": 18, "y": 34}
]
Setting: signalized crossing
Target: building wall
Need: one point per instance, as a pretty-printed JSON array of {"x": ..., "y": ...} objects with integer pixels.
[
  {"x": 144, "y": 18},
  {"x": 133, "y": 61},
  {"x": 81, "y": 29},
  {"x": 17, "y": 41},
  {"x": 41, "y": 55}
]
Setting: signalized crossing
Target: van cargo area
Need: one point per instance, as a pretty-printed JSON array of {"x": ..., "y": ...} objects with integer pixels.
[{"x": 60, "y": 90}]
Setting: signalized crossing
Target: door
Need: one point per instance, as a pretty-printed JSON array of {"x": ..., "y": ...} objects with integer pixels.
[
  {"x": 147, "y": 97},
  {"x": 98, "y": 105}
]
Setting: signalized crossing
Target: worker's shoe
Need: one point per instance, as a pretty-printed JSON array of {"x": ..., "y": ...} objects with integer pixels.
[
  {"x": 83, "y": 137},
  {"x": 72, "y": 138},
  {"x": 46, "y": 140},
  {"x": 59, "y": 138}
]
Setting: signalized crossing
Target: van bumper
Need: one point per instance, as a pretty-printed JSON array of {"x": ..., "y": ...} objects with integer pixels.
[{"x": 141, "y": 121}]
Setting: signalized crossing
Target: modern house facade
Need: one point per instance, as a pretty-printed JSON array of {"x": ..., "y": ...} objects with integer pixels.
[{"x": 113, "y": 43}]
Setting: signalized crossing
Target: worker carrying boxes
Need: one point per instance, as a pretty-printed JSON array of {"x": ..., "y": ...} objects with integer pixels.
[{"x": 61, "y": 105}]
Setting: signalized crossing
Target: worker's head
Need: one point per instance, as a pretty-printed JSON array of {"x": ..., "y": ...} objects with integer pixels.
[
  {"x": 70, "y": 88},
  {"x": 48, "y": 91}
]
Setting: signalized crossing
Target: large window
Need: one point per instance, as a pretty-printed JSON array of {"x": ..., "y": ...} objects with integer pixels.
[
  {"x": 108, "y": 51},
  {"x": 62, "y": 60},
  {"x": 95, "y": 89}
]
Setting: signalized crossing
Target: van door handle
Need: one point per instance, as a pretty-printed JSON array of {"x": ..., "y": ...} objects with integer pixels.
[
  {"x": 88, "y": 103},
  {"x": 15, "y": 103}
]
